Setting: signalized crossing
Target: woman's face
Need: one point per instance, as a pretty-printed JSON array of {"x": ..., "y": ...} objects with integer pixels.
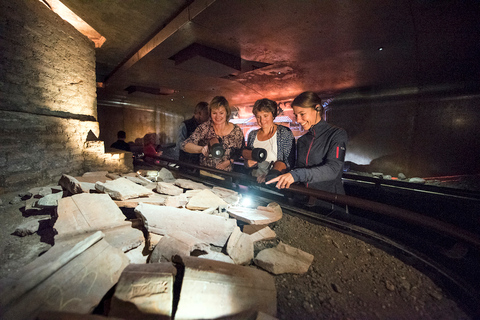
[
  {"x": 264, "y": 119},
  {"x": 219, "y": 115},
  {"x": 306, "y": 117}
]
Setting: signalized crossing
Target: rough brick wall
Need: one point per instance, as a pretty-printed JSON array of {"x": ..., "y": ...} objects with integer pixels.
[{"x": 47, "y": 96}]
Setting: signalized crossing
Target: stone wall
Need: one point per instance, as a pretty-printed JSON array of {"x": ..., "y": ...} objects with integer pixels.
[{"x": 47, "y": 97}]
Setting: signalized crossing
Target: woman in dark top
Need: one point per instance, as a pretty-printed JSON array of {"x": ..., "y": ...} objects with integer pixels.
[{"x": 320, "y": 151}]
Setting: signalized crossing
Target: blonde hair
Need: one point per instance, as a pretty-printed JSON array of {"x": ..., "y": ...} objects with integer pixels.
[{"x": 217, "y": 102}]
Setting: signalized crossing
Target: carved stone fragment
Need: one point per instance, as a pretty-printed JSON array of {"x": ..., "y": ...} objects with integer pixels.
[{"x": 284, "y": 259}]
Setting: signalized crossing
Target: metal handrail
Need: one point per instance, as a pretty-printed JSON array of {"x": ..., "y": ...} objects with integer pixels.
[{"x": 339, "y": 199}]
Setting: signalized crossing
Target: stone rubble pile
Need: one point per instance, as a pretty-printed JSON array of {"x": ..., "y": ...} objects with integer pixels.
[{"x": 187, "y": 254}]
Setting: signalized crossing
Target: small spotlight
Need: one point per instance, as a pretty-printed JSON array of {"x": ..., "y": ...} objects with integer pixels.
[
  {"x": 380, "y": 49},
  {"x": 171, "y": 99}
]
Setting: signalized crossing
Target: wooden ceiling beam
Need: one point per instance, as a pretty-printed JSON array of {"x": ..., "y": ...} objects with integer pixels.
[{"x": 190, "y": 12}]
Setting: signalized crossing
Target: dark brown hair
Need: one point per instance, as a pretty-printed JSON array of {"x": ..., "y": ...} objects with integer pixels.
[
  {"x": 266, "y": 105},
  {"x": 308, "y": 99}
]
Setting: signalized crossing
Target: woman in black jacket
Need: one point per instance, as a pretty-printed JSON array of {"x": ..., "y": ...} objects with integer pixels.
[{"x": 320, "y": 151}]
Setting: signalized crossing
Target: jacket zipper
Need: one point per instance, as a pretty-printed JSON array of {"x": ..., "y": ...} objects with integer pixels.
[{"x": 309, "y": 148}]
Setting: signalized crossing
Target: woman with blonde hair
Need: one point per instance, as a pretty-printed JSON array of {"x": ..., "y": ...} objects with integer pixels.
[{"x": 219, "y": 129}]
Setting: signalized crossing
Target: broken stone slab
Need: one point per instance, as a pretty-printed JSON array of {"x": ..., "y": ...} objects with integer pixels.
[
  {"x": 39, "y": 192},
  {"x": 168, "y": 189},
  {"x": 87, "y": 187},
  {"x": 167, "y": 220},
  {"x": 165, "y": 175},
  {"x": 191, "y": 193},
  {"x": 223, "y": 192},
  {"x": 112, "y": 176},
  {"x": 178, "y": 243},
  {"x": 213, "y": 289},
  {"x": 260, "y": 215},
  {"x": 189, "y": 184},
  {"x": 144, "y": 291},
  {"x": 122, "y": 189},
  {"x": 73, "y": 276},
  {"x": 284, "y": 259},
  {"x": 153, "y": 239},
  {"x": 71, "y": 184},
  {"x": 31, "y": 226},
  {"x": 138, "y": 254},
  {"x": 154, "y": 198},
  {"x": 31, "y": 205},
  {"x": 138, "y": 180},
  {"x": 263, "y": 234},
  {"x": 220, "y": 212},
  {"x": 176, "y": 201},
  {"x": 94, "y": 176},
  {"x": 87, "y": 212},
  {"x": 217, "y": 256},
  {"x": 49, "y": 201},
  {"x": 205, "y": 199},
  {"x": 124, "y": 237},
  {"x": 240, "y": 247}
]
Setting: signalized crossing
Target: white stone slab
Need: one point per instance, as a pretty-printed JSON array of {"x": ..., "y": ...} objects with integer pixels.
[
  {"x": 176, "y": 201},
  {"x": 189, "y": 184},
  {"x": 144, "y": 291},
  {"x": 263, "y": 234},
  {"x": 168, "y": 189},
  {"x": 260, "y": 215},
  {"x": 205, "y": 199},
  {"x": 154, "y": 198},
  {"x": 284, "y": 259},
  {"x": 168, "y": 220},
  {"x": 178, "y": 243},
  {"x": 240, "y": 247},
  {"x": 213, "y": 289},
  {"x": 122, "y": 189},
  {"x": 87, "y": 212}
]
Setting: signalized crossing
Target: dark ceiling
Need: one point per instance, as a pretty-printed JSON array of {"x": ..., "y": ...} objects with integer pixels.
[{"x": 176, "y": 53}]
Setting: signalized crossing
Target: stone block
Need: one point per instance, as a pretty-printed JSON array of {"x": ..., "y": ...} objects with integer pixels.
[
  {"x": 189, "y": 184},
  {"x": 176, "y": 201},
  {"x": 122, "y": 189},
  {"x": 87, "y": 212},
  {"x": 70, "y": 184},
  {"x": 167, "y": 220},
  {"x": 260, "y": 215},
  {"x": 205, "y": 199},
  {"x": 284, "y": 259},
  {"x": 213, "y": 289},
  {"x": 144, "y": 291},
  {"x": 168, "y": 188},
  {"x": 178, "y": 243},
  {"x": 49, "y": 201},
  {"x": 154, "y": 198},
  {"x": 240, "y": 247},
  {"x": 263, "y": 234}
]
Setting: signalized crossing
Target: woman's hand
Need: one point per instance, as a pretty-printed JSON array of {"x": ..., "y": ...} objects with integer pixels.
[
  {"x": 251, "y": 163},
  {"x": 205, "y": 150},
  {"x": 283, "y": 182},
  {"x": 223, "y": 165}
]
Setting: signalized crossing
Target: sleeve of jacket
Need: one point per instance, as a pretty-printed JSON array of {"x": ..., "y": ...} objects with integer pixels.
[
  {"x": 288, "y": 147},
  {"x": 251, "y": 138},
  {"x": 332, "y": 165}
]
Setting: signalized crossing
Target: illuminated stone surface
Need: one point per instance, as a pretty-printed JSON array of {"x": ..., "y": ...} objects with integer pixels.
[
  {"x": 213, "y": 289},
  {"x": 144, "y": 291},
  {"x": 122, "y": 189},
  {"x": 167, "y": 220},
  {"x": 240, "y": 247},
  {"x": 284, "y": 259},
  {"x": 205, "y": 199},
  {"x": 178, "y": 243}
]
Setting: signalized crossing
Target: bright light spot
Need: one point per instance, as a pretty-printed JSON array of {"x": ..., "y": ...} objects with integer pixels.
[
  {"x": 246, "y": 202},
  {"x": 380, "y": 49},
  {"x": 171, "y": 99},
  {"x": 115, "y": 156}
]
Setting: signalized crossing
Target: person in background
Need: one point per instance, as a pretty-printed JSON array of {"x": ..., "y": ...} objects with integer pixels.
[
  {"x": 149, "y": 148},
  {"x": 200, "y": 115},
  {"x": 277, "y": 140},
  {"x": 217, "y": 127},
  {"x": 320, "y": 151},
  {"x": 120, "y": 143}
]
